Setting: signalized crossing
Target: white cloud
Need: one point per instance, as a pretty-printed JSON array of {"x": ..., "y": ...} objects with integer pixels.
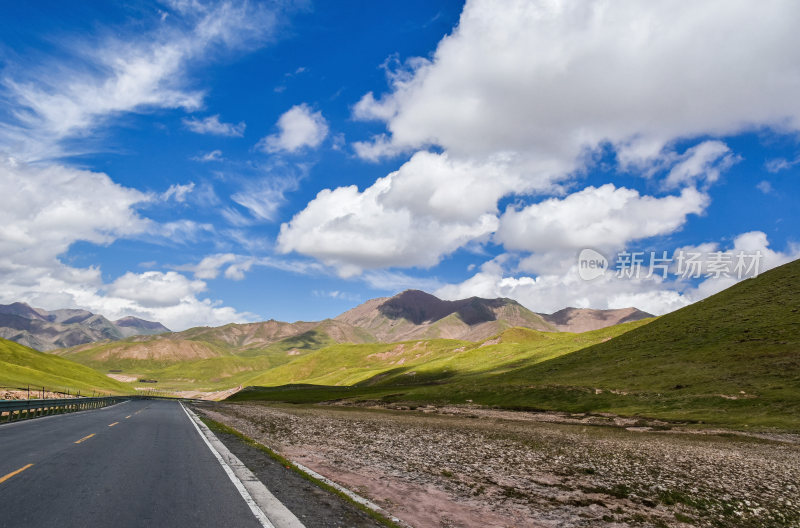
[
  {"x": 427, "y": 209},
  {"x": 779, "y": 164},
  {"x": 336, "y": 294},
  {"x": 597, "y": 217},
  {"x": 299, "y": 127},
  {"x": 702, "y": 162},
  {"x": 155, "y": 289},
  {"x": 525, "y": 96},
  {"x": 212, "y": 125},
  {"x": 562, "y": 287},
  {"x": 764, "y": 186},
  {"x": 553, "y": 78},
  {"x": 214, "y": 155},
  {"x": 72, "y": 96},
  {"x": 209, "y": 267},
  {"x": 395, "y": 281},
  {"x": 177, "y": 192},
  {"x": 262, "y": 197},
  {"x": 178, "y": 231},
  {"x": 56, "y": 206}
]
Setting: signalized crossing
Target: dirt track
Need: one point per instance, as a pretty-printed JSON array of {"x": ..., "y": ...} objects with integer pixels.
[{"x": 466, "y": 467}]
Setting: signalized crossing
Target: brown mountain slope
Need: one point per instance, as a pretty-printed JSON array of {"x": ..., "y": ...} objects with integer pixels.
[
  {"x": 587, "y": 319},
  {"x": 414, "y": 314}
]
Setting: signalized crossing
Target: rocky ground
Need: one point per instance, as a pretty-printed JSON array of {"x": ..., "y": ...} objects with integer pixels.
[{"x": 472, "y": 467}]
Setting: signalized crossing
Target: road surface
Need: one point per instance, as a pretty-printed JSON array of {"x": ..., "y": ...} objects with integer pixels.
[{"x": 138, "y": 463}]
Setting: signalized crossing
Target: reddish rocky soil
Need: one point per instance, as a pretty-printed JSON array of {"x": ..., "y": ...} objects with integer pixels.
[{"x": 473, "y": 467}]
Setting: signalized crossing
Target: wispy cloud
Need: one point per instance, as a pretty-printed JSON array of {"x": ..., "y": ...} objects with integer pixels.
[
  {"x": 212, "y": 125},
  {"x": 214, "y": 155},
  {"x": 70, "y": 97},
  {"x": 779, "y": 164}
]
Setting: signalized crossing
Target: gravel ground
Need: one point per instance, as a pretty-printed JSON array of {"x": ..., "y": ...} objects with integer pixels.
[{"x": 471, "y": 467}]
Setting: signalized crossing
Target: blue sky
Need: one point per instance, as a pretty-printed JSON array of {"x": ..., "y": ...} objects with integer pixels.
[{"x": 200, "y": 163}]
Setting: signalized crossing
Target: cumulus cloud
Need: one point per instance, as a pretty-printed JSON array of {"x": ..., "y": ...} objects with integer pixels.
[
  {"x": 427, "y": 209},
  {"x": 155, "y": 289},
  {"x": 212, "y": 125},
  {"x": 54, "y": 207},
  {"x": 299, "y": 127},
  {"x": 603, "y": 217},
  {"x": 556, "y": 78},
  {"x": 563, "y": 287},
  {"x": 518, "y": 101}
]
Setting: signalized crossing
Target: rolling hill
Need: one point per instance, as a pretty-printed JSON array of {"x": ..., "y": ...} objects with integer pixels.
[
  {"x": 21, "y": 366},
  {"x": 227, "y": 356},
  {"x": 732, "y": 359}
]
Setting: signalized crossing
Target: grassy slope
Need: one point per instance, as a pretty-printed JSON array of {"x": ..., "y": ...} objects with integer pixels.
[
  {"x": 732, "y": 360},
  {"x": 223, "y": 371},
  {"x": 21, "y": 366},
  {"x": 381, "y": 368},
  {"x": 742, "y": 343}
]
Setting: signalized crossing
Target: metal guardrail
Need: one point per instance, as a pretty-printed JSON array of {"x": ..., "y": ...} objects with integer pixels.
[{"x": 13, "y": 410}]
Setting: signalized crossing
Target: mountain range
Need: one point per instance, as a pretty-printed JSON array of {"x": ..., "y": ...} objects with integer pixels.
[
  {"x": 48, "y": 330},
  {"x": 409, "y": 315}
]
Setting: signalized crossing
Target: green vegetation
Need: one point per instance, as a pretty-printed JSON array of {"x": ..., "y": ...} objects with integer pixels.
[
  {"x": 730, "y": 360},
  {"x": 222, "y": 370},
  {"x": 21, "y": 366}
]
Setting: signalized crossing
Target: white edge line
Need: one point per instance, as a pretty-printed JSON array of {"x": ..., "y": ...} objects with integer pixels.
[
  {"x": 353, "y": 496},
  {"x": 262, "y": 518}
]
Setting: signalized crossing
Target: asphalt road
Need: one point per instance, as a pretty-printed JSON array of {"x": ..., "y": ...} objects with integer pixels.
[{"x": 135, "y": 464}]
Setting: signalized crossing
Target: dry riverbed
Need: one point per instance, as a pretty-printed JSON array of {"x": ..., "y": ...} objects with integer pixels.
[{"x": 472, "y": 467}]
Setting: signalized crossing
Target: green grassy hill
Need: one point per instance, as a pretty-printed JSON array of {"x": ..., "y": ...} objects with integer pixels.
[
  {"x": 732, "y": 360},
  {"x": 21, "y": 366},
  {"x": 442, "y": 364}
]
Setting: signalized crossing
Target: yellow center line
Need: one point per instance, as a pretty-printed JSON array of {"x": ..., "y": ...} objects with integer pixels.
[
  {"x": 127, "y": 416},
  {"x": 85, "y": 438},
  {"x": 112, "y": 425},
  {"x": 17, "y": 472}
]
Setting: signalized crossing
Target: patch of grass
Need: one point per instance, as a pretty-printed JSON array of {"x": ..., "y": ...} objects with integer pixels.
[
  {"x": 21, "y": 366},
  {"x": 217, "y": 427}
]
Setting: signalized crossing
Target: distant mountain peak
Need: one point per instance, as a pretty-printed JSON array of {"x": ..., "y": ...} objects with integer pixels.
[
  {"x": 585, "y": 319},
  {"x": 47, "y": 330},
  {"x": 415, "y": 314}
]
